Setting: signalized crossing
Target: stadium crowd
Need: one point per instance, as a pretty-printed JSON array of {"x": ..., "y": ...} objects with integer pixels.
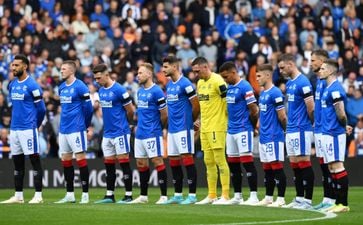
[{"x": 124, "y": 34}]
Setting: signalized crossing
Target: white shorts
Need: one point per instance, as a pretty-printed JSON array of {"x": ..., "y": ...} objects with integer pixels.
[
  {"x": 271, "y": 151},
  {"x": 181, "y": 142},
  {"x": 318, "y": 145},
  {"x": 116, "y": 146},
  {"x": 299, "y": 143},
  {"x": 240, "y": 144},
  {"x": 24, "y": 142},
  {"x": 73, "y": 142},
  {"x": 149, "y": 148},
  {"x": 334, "y": 147}
]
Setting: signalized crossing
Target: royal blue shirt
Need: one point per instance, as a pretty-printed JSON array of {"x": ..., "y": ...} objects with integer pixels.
[{"x": 320, "y": 85}]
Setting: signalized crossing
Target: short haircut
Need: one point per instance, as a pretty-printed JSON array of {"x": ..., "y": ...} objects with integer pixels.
[
  {"x": 227, "y": 66},
  {"x": 332, "y": 63},
  {"x": 287, "y": 57},
  {"x": 264, "y": 67},
  {"x": 23, "y": 58},
  {"x": 100, "y": 68},
  {"x": 199, "y": 61},
  {"x": 171, "y": 59},
  {"x": 321, "y": 53},
  {"x": 71, "y": 63},
  {"x": 148, "y": 66}
]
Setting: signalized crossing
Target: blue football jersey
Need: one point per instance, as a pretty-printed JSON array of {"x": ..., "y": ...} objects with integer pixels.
[
  {"x": 23, "y": 96},
  {"x": 331, "y": 95},
  {"x": 239, "y": 96},
  {"x": 320, "y": 85},
  {"x": 270, "y": 102},
  {"x": 180, "y": 116},
  {"x": 72, "y": 97},
  {"x": 112, "y": 100},
  {"x": 149, "y": 103},
  {"x": 297, "y": 90}
]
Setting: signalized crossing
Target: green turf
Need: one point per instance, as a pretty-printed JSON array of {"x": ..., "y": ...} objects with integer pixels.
[{"x": 94, "y": 214}]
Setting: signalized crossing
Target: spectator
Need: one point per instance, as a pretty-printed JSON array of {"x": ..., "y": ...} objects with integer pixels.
[
  {"x": 235, "y": 29},
  {"x": 248, "y": 39},
  {"x": 354, "y": 106},
  {"x": 78, "y": 25},
  {"x": 223, "y": 18},
  {"x": 100, "y": 16},
  {"x": 131, "y": 4},
  {"x": 209, "y": 51},
  {"x": 102, "y": 42},
  {"x": 186, "y": 54}
]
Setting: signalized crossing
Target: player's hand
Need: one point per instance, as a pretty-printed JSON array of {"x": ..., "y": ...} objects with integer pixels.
[
  {"x": 349, "y": 129},
  {"x": 196, "y": 125},
  {"x": 256, "y": 132}
]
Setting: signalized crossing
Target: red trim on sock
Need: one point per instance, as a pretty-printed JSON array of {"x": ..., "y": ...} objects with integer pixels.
[
  {"x": 277, "y": 165},
  {"x": 143, "y": 169},
  {"x": 333, "y": 176},
  {"x": 188, "y": 160},
  {"x": 304, "y": 164},
  {"x": 266, "y": 166},
  {"x": 82, "y": 163},
  {"x": 67, "y": 163},
  {"x": 233, "y": 159},
  {"x": 294, "y": 165},
  {"x": 246, "y": 159},
  {"x": 160, "y": 168},
  {"x": 125, "y": 160},
  {"x": 341, "y": 175},
  {"x": 174, "y": 162},
  {"x": 321, "y": 160},
  {"x": 109, "y": 161}
]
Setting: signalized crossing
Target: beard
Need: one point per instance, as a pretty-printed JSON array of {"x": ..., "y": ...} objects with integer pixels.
[{"x": 19, "y": 73}]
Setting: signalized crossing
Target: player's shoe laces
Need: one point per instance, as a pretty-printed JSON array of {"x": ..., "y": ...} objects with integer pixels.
[
  {"x": 339, "y": 208},
  {"x": 322, "y": 205},
  {"x": 264, "y": 202},
  {"x": 221, "y": 201},
  {"x": 234, "y": 201},
  {"x": 175, "y": 200},
  {"x": 250, "y": 201},
  {"x": 277, "y": 203},
  {"x": 189, "y": 200},
  {"x": 139, "y": 200},
  {"x": 84, "y": 199},
  {"x": 36, "y": 200},
  {"x": 304, "y": 205},
  {"x": 13, "y": 200},
  {"x": 206, "y": 201},
  {"x": 292, "y": 204},
  {"x": 125, "y": 200},
  {"x": 162, "y": 200},
  {"x": 106, "y": 199},
  {"x": 66, "y": 199}
]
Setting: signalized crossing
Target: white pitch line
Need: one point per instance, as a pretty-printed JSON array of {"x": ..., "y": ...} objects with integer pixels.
[{"x": 327, "y": 215}]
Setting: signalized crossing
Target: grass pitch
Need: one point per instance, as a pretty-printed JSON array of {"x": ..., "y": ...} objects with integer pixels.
[{"x": 149, "y": 214}]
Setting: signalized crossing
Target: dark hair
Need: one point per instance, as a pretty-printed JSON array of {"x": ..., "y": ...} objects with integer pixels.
[
  {"x": 199, "y": 61},
  {"x": 23, "y": 58},
  {"x": 321, "y": 53},
  {"x": 171, "y": 59},
  {"x": 100, "y": 68},
  {"x": 264, "y": 67},
  {"x": 286, "y": 58},
  {"x": 333, "y": 63},
  {"x": 227, "y": 66}
]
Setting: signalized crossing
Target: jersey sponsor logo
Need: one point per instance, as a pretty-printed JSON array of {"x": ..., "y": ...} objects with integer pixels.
[
  {"x": 231, "y": 99},
  {"x": 263, "y": 107},
  {"x": 142, "y": 104},
  {"x": 17, "y": 96},
  {"x": 172, "y": 98},
  {"x": 65, "y": 99},
  {"x": 203, "y": 97},
  {"x": 290, "y": 97},
  {"x": 106, "y": 104}
]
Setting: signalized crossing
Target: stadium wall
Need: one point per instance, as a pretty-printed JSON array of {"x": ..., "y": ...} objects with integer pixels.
[{"x": 53, "y": 174}]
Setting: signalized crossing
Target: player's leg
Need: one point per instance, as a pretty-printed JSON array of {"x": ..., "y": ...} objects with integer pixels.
[
  {"x": 269, "y": 182},
  {"x": 280, "y": 178},
  {"x": 234, "y": 164}
]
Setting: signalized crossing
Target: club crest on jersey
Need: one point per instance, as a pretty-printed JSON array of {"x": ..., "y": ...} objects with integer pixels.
[
  {"x": 25, "y": 88},
  {"x": 71, "y": 91}
]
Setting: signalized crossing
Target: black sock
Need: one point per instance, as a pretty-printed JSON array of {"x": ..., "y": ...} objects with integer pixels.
[
  {"x": 269, "y": 182},
  {"x": 110, "y": 176},
  {"x": 69, "y": 176},
  {"x": 280, "y": 178},
  {"x": 236, "y": 176},
  {"x": 192, "y": 178},
  {"x": 127, "y": 175},
  {"x": 342, "y": 185},
  {"x": 251, "y": 175},
  {"x": 37, "y": 172},
  {"x": 326, "y": 180},
  {"x": 19, "y": 171},
  {"x": 299, "y": 187},
  {"x": 144, "y": 180},
  {"x": 162, "y": 178},
  {"x": 177, "y": 172},
  {"x": 84, "y": 173},
  {"x": 308, "y": 181}
]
